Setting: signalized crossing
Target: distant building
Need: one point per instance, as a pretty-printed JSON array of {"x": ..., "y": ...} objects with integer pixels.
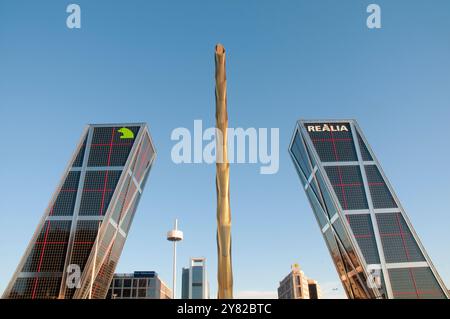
[
  {"x": 195, "y": 280},
  {"x": 138, "y": 285},
  {"x": 294, "y": 285},
  {"x": 314, "y": 289}
]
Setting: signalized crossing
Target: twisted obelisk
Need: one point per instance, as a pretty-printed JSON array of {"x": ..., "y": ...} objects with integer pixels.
[{"x": 224, "y": 273}]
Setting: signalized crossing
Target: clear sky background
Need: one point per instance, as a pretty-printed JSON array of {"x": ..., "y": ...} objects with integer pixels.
[{"x": 153, "y": 61}]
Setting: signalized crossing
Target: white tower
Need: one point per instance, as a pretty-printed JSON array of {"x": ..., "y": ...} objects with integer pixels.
[{"x": 174, "y": 236}]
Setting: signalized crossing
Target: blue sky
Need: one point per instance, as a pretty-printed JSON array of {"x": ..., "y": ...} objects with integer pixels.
[{"x": 135, "y": 61}]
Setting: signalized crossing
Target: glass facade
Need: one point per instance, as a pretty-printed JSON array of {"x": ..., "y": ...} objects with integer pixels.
[
  {"x": 360, "y": 217},
  {"x": 194, "y": 280},
  {"x": 88, "y": 218}
]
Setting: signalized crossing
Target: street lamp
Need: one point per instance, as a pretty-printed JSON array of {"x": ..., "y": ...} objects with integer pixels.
[{"x": 174, "y": 235}]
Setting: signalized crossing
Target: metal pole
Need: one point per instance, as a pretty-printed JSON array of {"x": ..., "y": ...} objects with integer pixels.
[
  {"x": 174, "y": 275},
  {"x": 224, "y": 272},
  {"x": 174, "y": 235}
]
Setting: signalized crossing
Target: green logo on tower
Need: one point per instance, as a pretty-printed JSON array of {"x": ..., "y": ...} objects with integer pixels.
[{"x": 126, "y": 133}]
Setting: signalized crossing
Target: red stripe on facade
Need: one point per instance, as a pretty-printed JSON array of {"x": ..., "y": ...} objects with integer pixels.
[
  {"x": 331, "y": 139},
  {"x": 40, "y": 260},
  {"x": 407, "y": 255},
  {"x": 106, "y": 172}
]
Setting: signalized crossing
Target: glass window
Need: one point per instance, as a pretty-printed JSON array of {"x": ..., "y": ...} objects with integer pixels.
[
  {"x": 49, "y": 251},
  {"x": 197, "y": 291},
  {"x": 108, "y": 149},
  {"x": 126, "y": 293},
  {"x": 381, "y": 196},
  {"x": 65, "y": 201},
  {"x": 98, "y": 190},
  {"x": 348, "y": 186},
  {"x": 317, "y": 208},
  {"x": 127, "y": 283},
  {"x": 298, "y": 150},
  {"x": 398, "y": 243},
  {"x": 415, "y": 283},
  {"x": 362, "y": 229},
  {"x": 141, "y": 293},
  {"x": 142, "y": 282},
  {"x": 364, "y": 151},
  {"x": 197, "y": 274},
  {"x": 335, "y": 144},
  {"x": 78, "y": 162}
]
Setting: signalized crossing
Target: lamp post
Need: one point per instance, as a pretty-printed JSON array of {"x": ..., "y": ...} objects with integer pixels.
[{"x": 174, "y": 236}]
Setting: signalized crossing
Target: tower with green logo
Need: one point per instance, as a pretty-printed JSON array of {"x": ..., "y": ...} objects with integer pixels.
[{"x": 77, "y": 244}]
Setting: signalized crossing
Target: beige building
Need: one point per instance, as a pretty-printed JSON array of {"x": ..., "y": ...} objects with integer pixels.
[
  {"x": 294, "y": 285},
  {"x": 297, "y": 286}
]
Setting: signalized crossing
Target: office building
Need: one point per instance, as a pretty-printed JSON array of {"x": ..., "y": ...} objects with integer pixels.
[
  {"x": 294, "y": 285},
  {"x": 194, "y": 280},
  {"x": 372, "y": 242},
  {"x": 314, "y": 289},
  {"x": 77, "y": 244},
  {"x": 138, "y": 285}
]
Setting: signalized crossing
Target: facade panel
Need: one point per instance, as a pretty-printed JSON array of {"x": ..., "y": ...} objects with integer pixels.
[
  {"x": 88, "y": 218},
  {"x": 376, "y": 251}
]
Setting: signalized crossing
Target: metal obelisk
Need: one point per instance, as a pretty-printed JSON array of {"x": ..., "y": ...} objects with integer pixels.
[{"x": 224, "y": 273}]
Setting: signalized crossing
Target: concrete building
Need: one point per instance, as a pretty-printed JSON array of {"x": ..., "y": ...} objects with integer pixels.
[
  {"x": 194, "y": 279},
  {"x": 314, "y": 289},
  {"x": 138, "y": 285},
  {"x": 294, "y": 285}
]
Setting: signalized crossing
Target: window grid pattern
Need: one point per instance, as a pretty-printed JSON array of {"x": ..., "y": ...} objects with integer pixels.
[
  {"x": 99, "y": 187},
  {"x": 49, "y": 250},
  {"x": 135, "y": 288},
  {"x": 334, "y": 146},
  {"x": 119, "y": 205},
  {"x": 78, "y": 162},
  {"x": 128, "y": 217},
  {"x": 36, "y": 288},
  {"x": 108, "y": 148},
  {"x": 398, "y": 242},
  {"x": 65, "y": 201},
  {"x": 364, "y": 150},
  {"x": 47, "y": 256},
  {"x": 144, "y": 157},
  {"x": 348, "y": 186},
  {"x": 415, "y": 283},
  {"x": 85, "y": 236},
  {"x": 381, "y": 196},
  {"x": 299, "y": 153},
  {"x": 328, "y": 201},
  {"x": 106, "y": 272},
  {"x": 345, "y": 241},
  {"x": 362, "y": 228},
  {"x": 317, "y": 208}
]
